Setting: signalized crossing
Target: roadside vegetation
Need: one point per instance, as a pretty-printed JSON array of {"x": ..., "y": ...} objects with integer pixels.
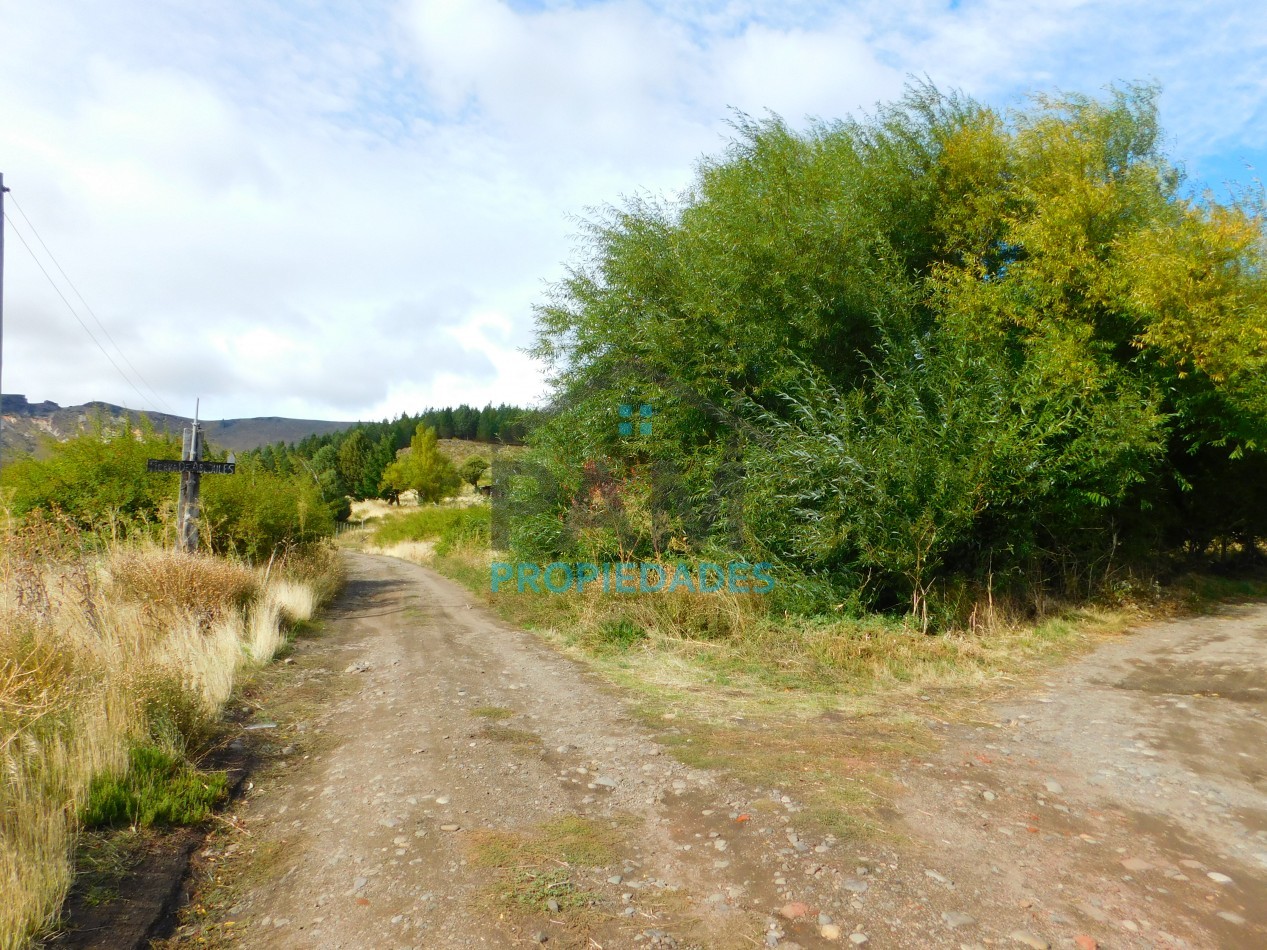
[
  {"x": 97, "y": 482},
  {"x": 118, "y": 655},
  {"x": 982, "y": 387},
  {"x": 926, "y": 361},
  {"x": 371, "y": 460},
  {"x": 949, "y": 370}
]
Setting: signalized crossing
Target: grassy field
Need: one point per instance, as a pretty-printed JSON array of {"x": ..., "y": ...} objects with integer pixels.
[{"x": 114, "y": 669}]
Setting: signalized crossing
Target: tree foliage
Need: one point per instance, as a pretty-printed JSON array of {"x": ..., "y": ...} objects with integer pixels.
[
  {"x": 473, "y": 469},
  {"x": 936, "y": 344},
  {"x": 352, "y": 462},
  {"x": 423, "y": 469},
  {"x": 98, "y": 480},
  {"x": 255, "y": 512}
]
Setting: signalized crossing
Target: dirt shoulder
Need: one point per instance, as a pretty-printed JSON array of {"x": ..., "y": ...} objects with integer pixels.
[
  {"x": 448, "y": 781},
  {"x": 1127, "y": 797}
]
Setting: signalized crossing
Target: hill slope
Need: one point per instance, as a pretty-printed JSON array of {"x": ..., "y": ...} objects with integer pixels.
[{"x": 25, "y": 422}]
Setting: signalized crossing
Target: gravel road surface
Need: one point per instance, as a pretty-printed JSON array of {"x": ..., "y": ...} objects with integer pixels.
[{"x": 1124, "y": 804}]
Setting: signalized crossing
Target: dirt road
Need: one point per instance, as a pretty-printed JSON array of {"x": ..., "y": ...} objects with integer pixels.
[{"x": 466, "y": 787}]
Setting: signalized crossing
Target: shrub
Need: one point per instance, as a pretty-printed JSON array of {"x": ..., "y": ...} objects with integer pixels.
[
  {"x": 99, "y": 484},
  {"x": 621, "y": 632},
  {"x": 937, "y": 347},
  {"x": 98, "y": 480},
  {"x": 256, "y": 512},
  {"x": 158, "y": 788},
  {"x": 167, "y": 583}
]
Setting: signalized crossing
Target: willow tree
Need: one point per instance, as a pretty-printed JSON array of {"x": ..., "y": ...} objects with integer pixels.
[
  {"x": 423, "y": 468},
  {"x": 940, "y": 343}
]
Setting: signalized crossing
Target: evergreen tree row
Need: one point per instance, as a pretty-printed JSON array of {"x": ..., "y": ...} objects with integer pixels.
[{"x": 351, "y": 463}]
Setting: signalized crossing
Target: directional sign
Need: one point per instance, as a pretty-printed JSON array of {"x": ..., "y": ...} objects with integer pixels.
[{"x": 202, "y": 468}]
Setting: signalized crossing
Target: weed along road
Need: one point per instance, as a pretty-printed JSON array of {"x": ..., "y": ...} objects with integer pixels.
[{"x": 445, "y": 781}]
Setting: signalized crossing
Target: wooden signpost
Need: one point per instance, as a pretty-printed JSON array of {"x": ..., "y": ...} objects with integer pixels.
[
  {"x": 191, "y": 467},
  {"x": 202, "y": 468}
]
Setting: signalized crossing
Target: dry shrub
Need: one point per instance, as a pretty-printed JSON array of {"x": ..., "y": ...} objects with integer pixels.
[
  {"x": 318, "y": 567},
  {"x": 296, "y": 601},
  {"x": 100, "y": 651},
  {"x": 685, "y": 614},
  {"x": 164, "y": 583}
]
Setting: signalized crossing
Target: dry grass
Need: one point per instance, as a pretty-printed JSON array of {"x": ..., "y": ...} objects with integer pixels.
[
  {"x": 99, "y": 652},
  {"x": 572, "y": 839},
  {"x": 540, "y": 865},
  {"x": 371, "y": 508},
  {"x": 166, "y": 582},
  {"x": 416, "y": 552},
  {"x": 297, "y": 601}
]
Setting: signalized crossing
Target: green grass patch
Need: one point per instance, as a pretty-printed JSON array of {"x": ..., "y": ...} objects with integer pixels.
[
  {"x": 447, "y": 526},
  {"x": 159, "y": 788},
  {"x": 621, "y": 633},
  {"x": 1202, "y": 591},
  {"x": 537, "y": 866},
  {"x": 532, "y": 889},
  {"x": 493, "y": 713},
  {"x": 572, "y": 839}
]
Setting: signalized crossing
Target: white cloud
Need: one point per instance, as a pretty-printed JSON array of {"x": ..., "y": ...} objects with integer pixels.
[{"x": 303, "y": 210}]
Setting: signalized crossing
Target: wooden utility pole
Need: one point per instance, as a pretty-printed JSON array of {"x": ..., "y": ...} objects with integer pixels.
[
  {"x": 2, "y": 225},
  {"x": 188, "y": 510}
]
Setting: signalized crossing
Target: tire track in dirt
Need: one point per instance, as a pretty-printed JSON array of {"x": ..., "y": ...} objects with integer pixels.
[
  {"x": 457, "y": 727},
  {"x": 1127, "y": 798}
]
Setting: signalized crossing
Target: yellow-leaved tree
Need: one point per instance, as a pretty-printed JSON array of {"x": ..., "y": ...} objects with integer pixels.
[{"x": 423, "y": 468}]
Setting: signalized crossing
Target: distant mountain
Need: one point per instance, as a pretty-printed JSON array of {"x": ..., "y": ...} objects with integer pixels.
[{"x": 25, "y": 422}]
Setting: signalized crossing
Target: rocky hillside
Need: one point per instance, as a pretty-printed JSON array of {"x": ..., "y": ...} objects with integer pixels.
[{"x": 26, "y": 422}]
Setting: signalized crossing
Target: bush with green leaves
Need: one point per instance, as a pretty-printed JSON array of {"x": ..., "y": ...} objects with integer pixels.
[
  {"x": 99, "y": 482},
  {"x": 424, "y": 469},
  {"x": 255, "y": 513},
  {"x": 98, "y": 479},
  {"x": 473, "y": 469},
  {"x": 937, "y": 345}
]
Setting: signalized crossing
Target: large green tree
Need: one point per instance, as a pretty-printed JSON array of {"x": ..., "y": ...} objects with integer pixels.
[
  {"x": 942, "y": 341},
  {"x": 352, "y": 460},
  {"x": 424, "y": 469}
]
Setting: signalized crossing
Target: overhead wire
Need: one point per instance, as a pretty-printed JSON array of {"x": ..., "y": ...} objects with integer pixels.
[
  {"x": 118, "y": 349},
  {"x": 49, "y": 277}
]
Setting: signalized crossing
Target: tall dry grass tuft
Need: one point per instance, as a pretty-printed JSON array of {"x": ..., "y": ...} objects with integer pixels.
[
  {"x": 264, "y": 635},
  {"x": 100, "y": 652},
  {"x": 35, "y": 872},
  {"x": 167, "y": 582},
  {"x": 297, "y": 601}
]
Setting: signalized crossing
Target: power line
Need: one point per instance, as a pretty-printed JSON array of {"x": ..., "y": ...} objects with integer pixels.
[
  {"x": 118, "y": 349},
  {"x": 75, "y": 314}
]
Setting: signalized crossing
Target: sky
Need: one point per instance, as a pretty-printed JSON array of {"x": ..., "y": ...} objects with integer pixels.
[{"x": 348, "y": 210}]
